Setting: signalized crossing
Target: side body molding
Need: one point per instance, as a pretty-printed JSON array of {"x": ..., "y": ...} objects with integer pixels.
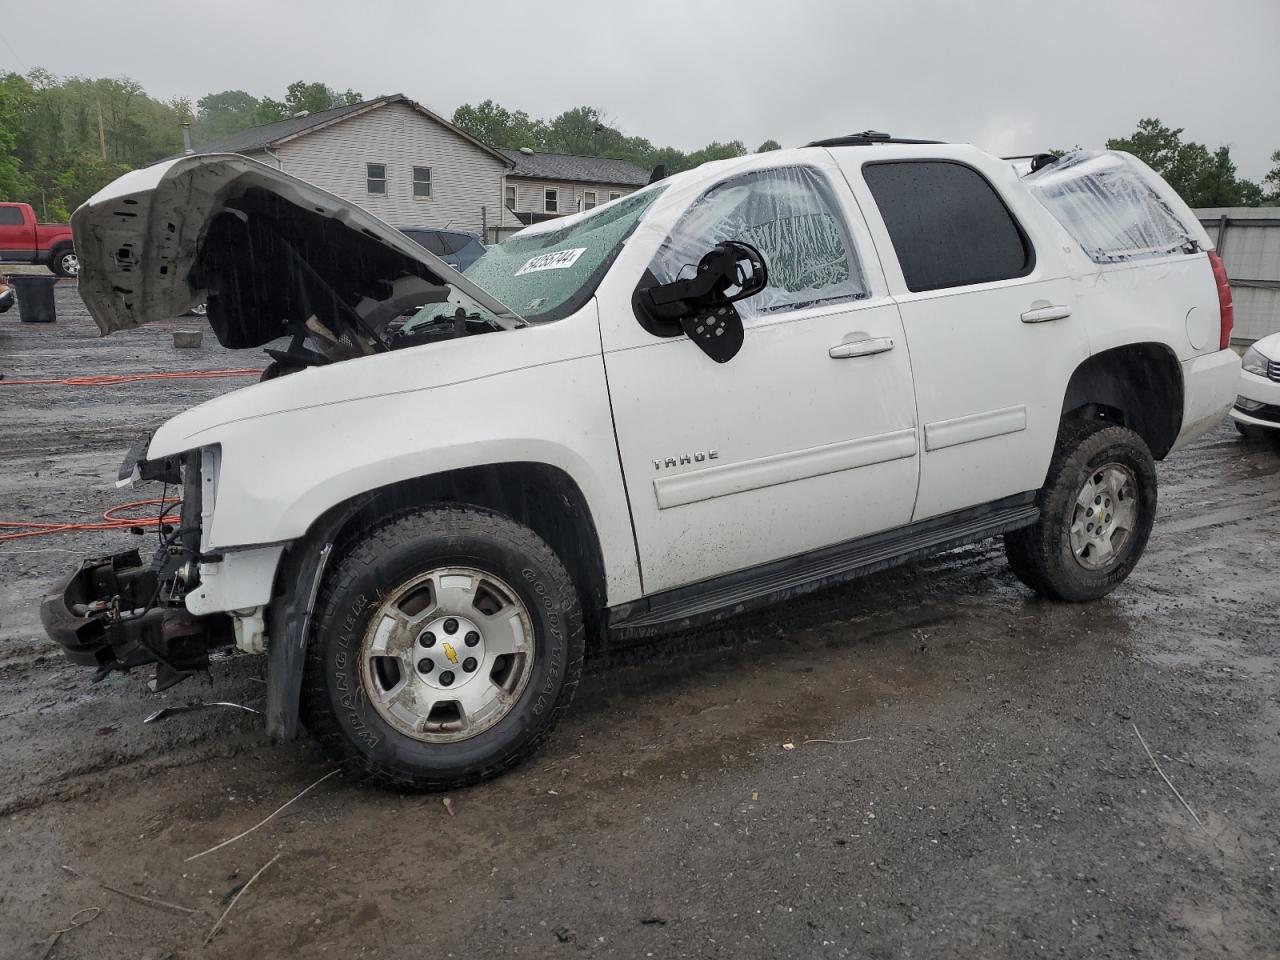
[
  {"x": 976, "y": 426},
  {"x": 724, "y": 479}
]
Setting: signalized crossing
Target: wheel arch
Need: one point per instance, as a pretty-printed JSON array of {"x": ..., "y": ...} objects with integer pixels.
[
  {"x": 1137, "y": 385},
  {"x": 540, "y": 496}
]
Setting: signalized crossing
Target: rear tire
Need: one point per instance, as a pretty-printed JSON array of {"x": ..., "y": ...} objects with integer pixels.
[
  {"x": 1096, "y": 511},
  {"x": 447, "y": 643}
]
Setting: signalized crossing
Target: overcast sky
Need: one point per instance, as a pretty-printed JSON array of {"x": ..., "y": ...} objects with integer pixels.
[{"x": 1009, "y": 77}]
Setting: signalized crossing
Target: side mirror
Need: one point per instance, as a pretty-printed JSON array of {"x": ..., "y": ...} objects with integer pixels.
[{"x": 703, "y": 304}]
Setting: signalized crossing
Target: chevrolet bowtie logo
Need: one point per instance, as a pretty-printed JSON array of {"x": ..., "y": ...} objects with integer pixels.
[{"x": 450, "y": 652}]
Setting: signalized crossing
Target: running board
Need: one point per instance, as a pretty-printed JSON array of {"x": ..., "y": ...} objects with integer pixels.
[{"x": 778, "y": 580}]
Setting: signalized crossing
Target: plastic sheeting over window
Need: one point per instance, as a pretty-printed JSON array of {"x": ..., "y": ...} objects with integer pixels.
[
  {"x": 1106, "y": 202},
  {"x": 790, "y": 216}
]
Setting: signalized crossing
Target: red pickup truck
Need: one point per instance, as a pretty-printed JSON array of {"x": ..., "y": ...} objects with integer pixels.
[{"x": 22, "y": 240}]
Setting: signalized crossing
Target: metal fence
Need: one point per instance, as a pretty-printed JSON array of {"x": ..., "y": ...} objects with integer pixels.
[{"x": 1248, "y": 240}]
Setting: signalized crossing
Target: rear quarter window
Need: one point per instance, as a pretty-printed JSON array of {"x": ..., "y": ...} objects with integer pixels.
[
  {"x": 948, "y": 225},
  {"x": 1109, "y": 206}
]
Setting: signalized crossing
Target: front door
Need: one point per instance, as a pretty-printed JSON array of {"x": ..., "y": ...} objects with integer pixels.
[{"x": 807, "y": 437}]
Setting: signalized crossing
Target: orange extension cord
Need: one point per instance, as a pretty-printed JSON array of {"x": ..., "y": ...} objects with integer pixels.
[
  {"x": 112, "y": 379},
  {"x": 30, "y": 528}
]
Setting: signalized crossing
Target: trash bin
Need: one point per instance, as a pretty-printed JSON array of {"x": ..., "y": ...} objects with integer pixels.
[{"x": 35, "y": 298}]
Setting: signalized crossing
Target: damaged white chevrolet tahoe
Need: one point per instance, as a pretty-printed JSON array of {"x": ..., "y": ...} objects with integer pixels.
[{"x": 738, "y": 384}]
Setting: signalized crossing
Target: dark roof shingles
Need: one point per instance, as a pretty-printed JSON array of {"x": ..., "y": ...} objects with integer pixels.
[
  {"x": 257, "y": 138},
  {"x": 560, "y": 166}
]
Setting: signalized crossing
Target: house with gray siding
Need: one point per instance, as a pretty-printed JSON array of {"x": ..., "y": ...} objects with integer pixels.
[
  {"x": 390, "y": 155},
  {"x": 543, "y": 186},
  {"x": 412, "y": 168}
]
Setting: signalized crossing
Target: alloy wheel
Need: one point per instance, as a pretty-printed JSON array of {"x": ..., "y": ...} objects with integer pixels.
[
  {"x": 447, "y": 654},
  {"x": 1105, "y": 516}
]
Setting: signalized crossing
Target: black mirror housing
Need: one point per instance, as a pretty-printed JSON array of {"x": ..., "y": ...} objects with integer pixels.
[{"x": 703, "y": 305}]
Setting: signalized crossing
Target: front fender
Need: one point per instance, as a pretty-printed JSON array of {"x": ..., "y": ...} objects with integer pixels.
[{"x": 280, "y": 473}]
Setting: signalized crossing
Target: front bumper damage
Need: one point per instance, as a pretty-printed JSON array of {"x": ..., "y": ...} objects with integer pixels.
[
  {"x": 119, "y": 612},
  {"x": 104, "y": 615}
]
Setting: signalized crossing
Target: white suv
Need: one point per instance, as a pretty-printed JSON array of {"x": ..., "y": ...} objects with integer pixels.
[{"x": 738, "y": 384}]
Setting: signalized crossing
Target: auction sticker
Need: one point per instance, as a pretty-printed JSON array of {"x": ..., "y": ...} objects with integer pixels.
[{"x": 559, "y": 260}]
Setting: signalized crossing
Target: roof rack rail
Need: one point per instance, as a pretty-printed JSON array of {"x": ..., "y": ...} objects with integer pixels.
[
  {"x": 867, "y": 138},
  {"x": 1038, "y": 160}
]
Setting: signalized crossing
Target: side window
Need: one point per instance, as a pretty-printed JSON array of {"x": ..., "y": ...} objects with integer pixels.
[
  {"x": 1107, "y": 204},
  {"x": 10, "y": 217},
  {"x": 949, "y": 227},
  {"x": 454, "y": 242},
  {"x": 790, "y": 215},
  {"x": 428, "y": 239}
]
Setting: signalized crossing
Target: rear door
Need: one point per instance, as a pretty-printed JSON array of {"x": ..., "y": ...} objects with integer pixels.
[
  {"x": 807, "y": 437},
  {"x": 989, "y": 317}
]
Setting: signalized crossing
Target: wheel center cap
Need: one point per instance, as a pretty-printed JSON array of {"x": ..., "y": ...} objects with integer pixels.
[{"x": 449, "y": 652}]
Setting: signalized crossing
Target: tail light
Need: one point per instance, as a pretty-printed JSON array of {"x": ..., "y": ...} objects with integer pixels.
[{"x": 1225, "y": 309}]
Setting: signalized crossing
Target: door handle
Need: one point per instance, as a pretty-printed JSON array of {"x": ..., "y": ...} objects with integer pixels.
[
  {"x": 860, "y": 348},
  {"x": 1042, "y": 312}
]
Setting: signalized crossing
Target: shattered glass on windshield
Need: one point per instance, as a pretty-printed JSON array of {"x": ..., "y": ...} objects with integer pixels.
[
  {"x": 790, "y": 216},
  {"x": 547, "y": 272},
  {"x": 1106, "y": 203}
]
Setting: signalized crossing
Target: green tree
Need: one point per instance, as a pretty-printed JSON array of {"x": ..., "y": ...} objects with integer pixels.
[
  {"x": 1272, "y": 180},
  {"x": 303, "y": 97},
  {"x": 1202, "y": 177},
  {"x": 498, "y": 127},
  {"x": 715, "y": 151},
  {"x": 768, "y": 145},
  {"x": 15, "y": 100},
  {"x": 583, "y": 131},
  {"x": 222, "y": 114}
]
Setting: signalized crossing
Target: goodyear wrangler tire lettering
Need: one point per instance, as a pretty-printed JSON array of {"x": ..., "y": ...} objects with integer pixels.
[{"x": 400, "y": 552}]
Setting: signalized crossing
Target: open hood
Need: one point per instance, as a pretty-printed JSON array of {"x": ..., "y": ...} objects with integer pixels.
[{"x": 271, "y": 256}]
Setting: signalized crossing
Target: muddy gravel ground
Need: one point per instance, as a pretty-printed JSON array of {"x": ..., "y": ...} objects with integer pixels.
[{"x": 985, "y": 795}]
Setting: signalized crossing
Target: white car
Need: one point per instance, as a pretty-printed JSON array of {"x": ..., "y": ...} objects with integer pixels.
[
  {"x": 738, "y": 384},
  {"x": 1257, "y": 408}
]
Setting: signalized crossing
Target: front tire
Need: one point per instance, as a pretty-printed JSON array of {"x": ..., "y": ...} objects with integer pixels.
[
  {"x": 447, "y": 643},
  {"x": 1096, "y": 511}
]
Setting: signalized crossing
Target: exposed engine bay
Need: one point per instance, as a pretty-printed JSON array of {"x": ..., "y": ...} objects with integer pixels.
[{"x": 340, "y": 295}]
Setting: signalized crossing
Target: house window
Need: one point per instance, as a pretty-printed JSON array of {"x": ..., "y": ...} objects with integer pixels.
[
  {"x": 509, "y": 196},
  {"x": 422, "y": 183},
  {"x": 551, "y": 200},
  {"x": 589, "y": 199},
  {"x": 376, "y": 177},
  {"x": 614, "y": 195}
]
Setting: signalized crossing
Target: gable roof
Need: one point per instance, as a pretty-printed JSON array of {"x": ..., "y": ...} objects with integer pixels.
[
  {"x": 563, "y": 166},
  {"x": 271, "y": 134}
]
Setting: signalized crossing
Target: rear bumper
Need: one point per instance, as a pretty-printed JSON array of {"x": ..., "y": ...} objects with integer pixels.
[
  {"x": 1209, "y": 389},
  {"x": 105, "y": 615}
]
